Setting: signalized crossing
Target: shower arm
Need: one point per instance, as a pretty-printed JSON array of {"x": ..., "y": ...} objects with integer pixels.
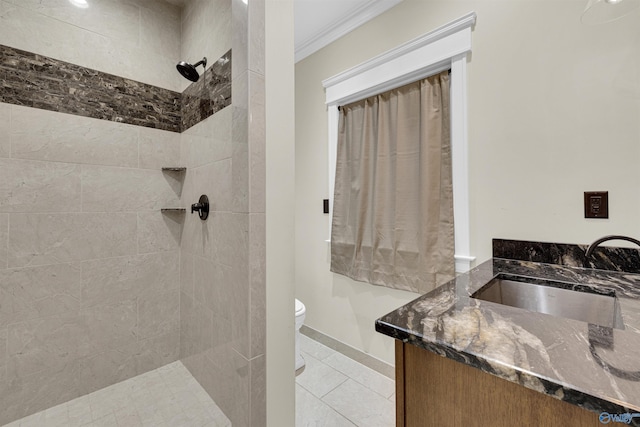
[{"x": 202, "y": 62}]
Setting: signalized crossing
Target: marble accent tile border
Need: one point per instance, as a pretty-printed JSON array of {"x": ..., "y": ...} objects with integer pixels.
[
  {"x": 604, "y": 258},
  {"x": 208, "y": 95},
  {"x": 37, "y": 81},
  {"x": 353, "y": 353}
]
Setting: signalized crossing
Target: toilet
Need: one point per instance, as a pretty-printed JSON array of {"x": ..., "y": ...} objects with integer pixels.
[{"x": 300, "y": 312}]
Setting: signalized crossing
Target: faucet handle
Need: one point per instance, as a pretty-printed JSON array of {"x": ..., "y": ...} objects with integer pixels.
[{"x": 202, "y": 207}]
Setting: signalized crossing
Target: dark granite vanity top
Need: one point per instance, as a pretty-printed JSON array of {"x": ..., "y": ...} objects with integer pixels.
[{"x": 595, "y": 367}]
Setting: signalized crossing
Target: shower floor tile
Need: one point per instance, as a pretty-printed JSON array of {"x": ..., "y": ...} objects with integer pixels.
[
  {"x": 332, "y": 391},
  {"x": 166, "y": 397}
]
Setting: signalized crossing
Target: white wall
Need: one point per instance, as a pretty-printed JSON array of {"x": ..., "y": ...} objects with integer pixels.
[
  {"x": 553, "y": 112},
  {"x": 280, "y": 205}
]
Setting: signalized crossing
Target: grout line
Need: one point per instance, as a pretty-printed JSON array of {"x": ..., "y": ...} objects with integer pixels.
[
  {"x": 326, "y": 404},
  {"x": 8, "y": 230},
  {"x": 346, "y": 378}
]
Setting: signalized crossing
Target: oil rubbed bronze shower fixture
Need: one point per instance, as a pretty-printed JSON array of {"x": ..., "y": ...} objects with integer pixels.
[
  {"x": 202, "y": 207},
  {"x": 189, "y": 71}
]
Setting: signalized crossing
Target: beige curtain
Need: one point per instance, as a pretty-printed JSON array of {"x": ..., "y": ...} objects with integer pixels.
[{"x": 393, "y": 202}]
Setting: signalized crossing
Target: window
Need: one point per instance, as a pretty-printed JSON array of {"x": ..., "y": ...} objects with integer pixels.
[{"x": 443, "y": 48}]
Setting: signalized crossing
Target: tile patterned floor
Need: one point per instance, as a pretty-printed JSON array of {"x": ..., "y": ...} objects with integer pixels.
[
  {"x": 332, "y": 391},
  {"x": 336, "y": 391},
  {"x": 166, "y": 397}
]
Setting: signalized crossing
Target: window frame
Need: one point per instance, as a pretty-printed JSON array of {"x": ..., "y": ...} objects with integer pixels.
[{"x": 446, "y": 47}]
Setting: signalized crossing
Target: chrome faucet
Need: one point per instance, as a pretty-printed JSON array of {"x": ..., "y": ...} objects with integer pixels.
[{"x": 592, "y": 247}]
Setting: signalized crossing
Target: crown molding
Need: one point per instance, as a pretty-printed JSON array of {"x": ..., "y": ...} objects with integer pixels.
[
  {"x": 453, "y": 27},
  {"x": 334, "y": 31}
]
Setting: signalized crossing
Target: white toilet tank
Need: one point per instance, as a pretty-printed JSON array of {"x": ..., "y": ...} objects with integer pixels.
[{"x": 300, "y": 312}]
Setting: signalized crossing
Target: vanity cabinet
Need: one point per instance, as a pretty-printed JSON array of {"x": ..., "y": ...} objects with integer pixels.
[{"x": 432, "y": 390}]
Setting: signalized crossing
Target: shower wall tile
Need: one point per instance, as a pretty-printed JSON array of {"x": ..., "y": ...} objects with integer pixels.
[
  {"x": 158, "y": 149},
  {"x": 39, "y": 81},
  {"x": 198, "y": 236},
  {"x": 216, "y": 183},
  {"x": 257, "y": 281},
  {"x": 32, "y": 393},
  {"x": 4, "y": 241},
  {"x": 200, "y": 144},
  {"x": 208, "y": 95},
  {"x": 116, "y": 20},
  {"x": 240, "y": 178},
  {"x": 215, "y": 144},
  {"x": 90, "y": 270},
  {"x": 110, "y": 189},
  {"x": 205, "y": 29},
  {"x": 47, "y": 135},
  {"x": 28, "y": 186},
  {"x": 258, "y": 396},
  {"x": 159, "y": 231},
  {"x": 104, "y": 368},
  {"x": 215, "y": 318},
  {"x": 188, "y": 323},
  {"x": 5, "y": 127},
  {"x": 50, "y": 343},
  {"x": 121, "y": 278},
  {"x": 160, "y": 70},
  {"x": 207, "y": 287},
  {"x": 240, "y": 322},
  {"x": 39, "y": 239},
  {"x": 157, "y": 351},
  {"x": 256, "y": 37},
  {"x": 196, "y": 325},
  {"x": 233, "y": 245},
  {"x": 111, "y": 325},
  {"x": 239, "y": 37},
  {"x": 185, "y": 147},
  {"x": 3, "y": 354},
  {"x": 213, "y": 288},
  {"x": 159, "y": 27},
  {"x": 35, "y": 80},
  {"x": 227, "y": 382},
  {"x": 158, "y": 314},
  {"x": 257, "y": 137},
  {"x": 235, "y": 241},
  {"x": 222, "y": 339},
  {"x": 186, "y": 273},
  {"x": 104, "y": 37},
  {"x": 36, "y": 292},
  {"x": 240, "y": 133}
]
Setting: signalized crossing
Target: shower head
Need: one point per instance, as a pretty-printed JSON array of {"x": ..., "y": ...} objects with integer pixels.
[{"x": 189, "y": 71}]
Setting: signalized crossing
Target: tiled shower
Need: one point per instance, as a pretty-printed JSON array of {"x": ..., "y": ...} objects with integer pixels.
[{"x": 97, "y": 283}]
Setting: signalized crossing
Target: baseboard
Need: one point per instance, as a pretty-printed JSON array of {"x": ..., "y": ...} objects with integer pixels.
[{"x": 353, "y": 353}]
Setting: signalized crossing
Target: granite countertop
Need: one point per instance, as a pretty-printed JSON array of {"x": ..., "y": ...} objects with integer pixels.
[{"x": 594, "y": 367}]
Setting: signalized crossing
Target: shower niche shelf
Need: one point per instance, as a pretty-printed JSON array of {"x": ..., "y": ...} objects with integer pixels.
[{"x": 178, "y": 170}]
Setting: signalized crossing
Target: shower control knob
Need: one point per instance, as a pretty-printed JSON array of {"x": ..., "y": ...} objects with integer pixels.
[{"x": 202, "y": 207}]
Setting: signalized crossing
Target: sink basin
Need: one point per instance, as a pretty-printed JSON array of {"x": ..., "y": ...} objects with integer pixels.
[{"x": 568, "y": 300}]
